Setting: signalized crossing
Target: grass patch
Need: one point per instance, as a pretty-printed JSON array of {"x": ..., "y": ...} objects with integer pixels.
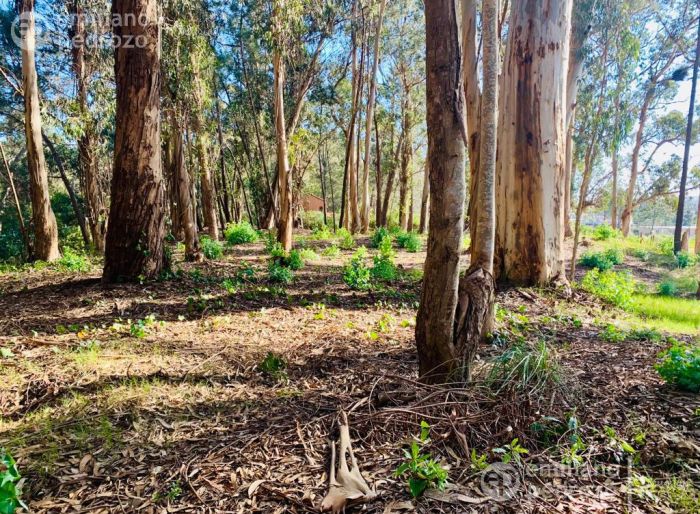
[{"x": 677, "y": 310}]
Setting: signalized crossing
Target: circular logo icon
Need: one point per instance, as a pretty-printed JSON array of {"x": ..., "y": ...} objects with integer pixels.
[
  {"x": 27, "y": 24},
  {"x": 500, "y": 481}
]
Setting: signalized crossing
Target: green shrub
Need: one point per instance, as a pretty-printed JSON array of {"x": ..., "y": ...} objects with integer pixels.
[
  {"x": 684, "y": 260},
  {"x": 346, "y": 240},
  {"x": 356, "y": 274},
  {"x": 212, "y": 249},
  {"x": 384, "y": 267},
  {"x": 378, "y": 236},
  {"x": 240, "y": 233},
  {"x": 665, "y": 247},
  {"x": 312, "y": 219},
  {"x": 668, "y": 288},
  {"x": 71, "y": 261},
  {"x": 602, "y": 260},
  {"x": 680, "y": 366},
  {"x": 614, "y": 288},
  {"x": 605, "y": 232},
  {"x": 280, "y": 274},
  {"x": 321, "y": 233},
  {"x": 294, "y": 260},
  {"x": 410, "y": 241},
  {"x": 307, "y": 254},
  {"x": 612, "y": 334},
  {"x": 331, "y": 251},
  {"x": 640, "y": 254}
]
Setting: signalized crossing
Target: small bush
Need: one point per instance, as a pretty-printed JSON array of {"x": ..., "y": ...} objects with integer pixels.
[
  {"x": 307, "y": 254},
  {"x": 526, "y": 367},
  {"x": 665, "y": 247},
  {"x": 684, "y": 260},
  {"x": 680, "y": 366},
  {"x": 612, "y": 334},
  {"x": 605, "y": 232},
  {"x": 346, "y": 240},
  {"x": 384, "y": 267},
  {"x": 356, "y": 274},
  {"x": 280, "y": 274},
  {"x": 72, "y": 261},
  {"x": 321, "y": 233},
  {"x": 331, "y": 251},
  {"x": 410, "y": 241},
  {"x": 602, "y": 260},
  {"x": 668, "y": 288},
  {"x": 378, "y": 236},
  {"x": 212, "y": 250},
  {"x": 274, "y": 366},
  {"x": 240, "y": 233},
  {"x": 614, "y": 288},
  {"x": 641, "y": 254}
]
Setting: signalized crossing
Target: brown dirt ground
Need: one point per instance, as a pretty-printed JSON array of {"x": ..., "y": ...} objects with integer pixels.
[{"x": 183, "y": 420}]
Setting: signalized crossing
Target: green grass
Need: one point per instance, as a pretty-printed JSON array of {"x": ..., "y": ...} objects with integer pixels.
[{"x": 677, "y": 311}]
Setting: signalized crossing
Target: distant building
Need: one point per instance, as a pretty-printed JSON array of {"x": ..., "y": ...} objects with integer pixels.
[{"x": 312, "y": 203}]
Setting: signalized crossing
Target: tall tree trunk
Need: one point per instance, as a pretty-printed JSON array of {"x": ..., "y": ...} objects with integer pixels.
[
  {"x": 284, "y": 176},
  {"x": 532, "y": 144},
  {"x": 378, "y": 174},
  {"x": 615, "y": 166},
  {"x": 477, "y": 288},
  {"x": 207, "y": 183},
  {"x": 634, "y": 173},
  {"x": 323, "y": 186},
  {"x": 590, "y": 159},
  {"x": 134, "y": 246},
  {"x": 568, "y": 179},
  {"x": 92, "y": 192},
  {"x": 370, "y": 119},
  {"x": 425, "y": 200},
  {"x": 435, "y": 323},
  {"x": 470, "y": 68},
  {"x": 185, "y": 203},
  {"x": 45, "y": 227},
  {"x": 18, "y": 207},
  {"x": 686, "y": 155},
  {"x": 697, "y": 233},
  {"x": 406, "y": 159}
]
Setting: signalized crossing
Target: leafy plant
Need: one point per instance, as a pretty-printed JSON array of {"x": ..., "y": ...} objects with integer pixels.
[
  {"x": 384, "y": 267},
  {"x": 240, "y": 233},
  {"x": 602, "y": 260},
  {"x": 212, "y": 249},
  {"x": 525, "y": 367},
  {"x": 378, "y": 236},
  {"x": 680, "y": 366},
  {"x": 614, "y": 288},
  {"x": 422, "y": 470},
  {"x": 331, "y": 251},
  {"x": 280, "y": 274},
  {"x": 307, "y": 254},
  {"x": 410, "y": 241},
  {"x": 605, "y": 232},
  {"x": 511, "y": 452},
  {"x": 273, "y": 365},
  {"x": 668, "y": 288},
  {"x": 141, "y": 327},
  {"x": 346, "y": 240},
  {"x": 9, "y": 477},
  {"x": 478, "y": 462},
  {"x": 321, "y": 233},
  {"x": 356, "y": 274},
  {"x": 684, "y": 260},
  {"x": 612, "y": 334},
  {"x": 71, "y": 261}
]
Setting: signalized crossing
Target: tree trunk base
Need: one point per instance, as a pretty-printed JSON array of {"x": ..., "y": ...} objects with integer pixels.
[{"x": 474, "y": 318}]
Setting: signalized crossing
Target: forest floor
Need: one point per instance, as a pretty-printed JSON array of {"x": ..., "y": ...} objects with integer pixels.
[{"x": 186, "y": 396}]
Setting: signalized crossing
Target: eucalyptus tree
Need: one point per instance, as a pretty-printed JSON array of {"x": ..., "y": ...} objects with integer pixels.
[
  {"x": 45, "y": 226},
  {"x": 135, "y": 235},
  {"x": 665, "y": 40},
  {"x": 532, "y": 144}
]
